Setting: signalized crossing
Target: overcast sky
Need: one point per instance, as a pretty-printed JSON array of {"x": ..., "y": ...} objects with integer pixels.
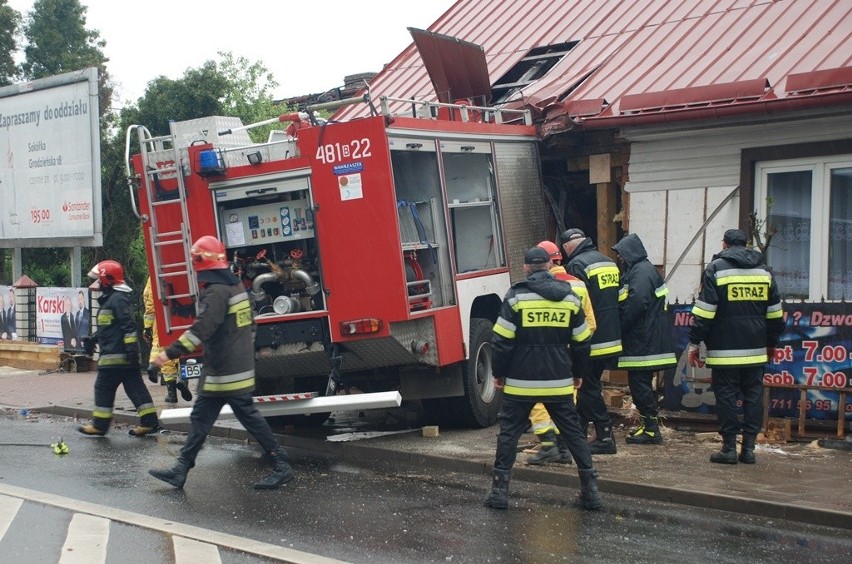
[{"x": 308, "y": 46}]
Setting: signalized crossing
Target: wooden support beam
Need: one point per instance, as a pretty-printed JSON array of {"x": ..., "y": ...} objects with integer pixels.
[{"x": 606, "y": 236}]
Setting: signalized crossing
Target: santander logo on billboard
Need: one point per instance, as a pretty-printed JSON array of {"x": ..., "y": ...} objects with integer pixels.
[{"x": 77, "y": 210}]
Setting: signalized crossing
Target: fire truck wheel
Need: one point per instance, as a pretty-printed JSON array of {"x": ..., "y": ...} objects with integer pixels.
[{"x": 481, "y": 401}]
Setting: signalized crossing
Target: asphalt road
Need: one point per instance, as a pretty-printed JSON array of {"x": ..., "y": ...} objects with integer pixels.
[{"x": 336, "y": 509}]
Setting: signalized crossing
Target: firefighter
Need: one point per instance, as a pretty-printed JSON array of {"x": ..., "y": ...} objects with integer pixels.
[
  {"x": 118, "y": 363},
  {"x": 646, "y": 333},
  {"x": 553, "y": 445},
  {"x": 225, "y": 328},
  {"x": 169, "y": 370},
  {"x": 601, "y": 276},
  {"x": 540, "y": 335},
  {"x": 738, "y": 315}
]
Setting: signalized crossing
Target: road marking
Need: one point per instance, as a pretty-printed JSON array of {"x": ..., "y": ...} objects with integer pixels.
[
  {"x": 9, "y": 507},
  {"x": 188, "y": 551},
  {"x": 168, "y": 527},
  {"x": 86, "y": 541}
]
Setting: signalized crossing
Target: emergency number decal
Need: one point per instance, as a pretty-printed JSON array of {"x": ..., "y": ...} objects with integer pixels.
[{"x": 331, "y": 153}]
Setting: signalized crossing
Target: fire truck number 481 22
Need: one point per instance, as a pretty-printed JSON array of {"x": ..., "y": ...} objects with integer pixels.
[{"x": 335, "y": 152}]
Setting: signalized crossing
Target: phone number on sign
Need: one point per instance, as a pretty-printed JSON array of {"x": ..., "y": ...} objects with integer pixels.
[
  {"x": 812, "y": 377},
  {"x": 819, "y": 405}
]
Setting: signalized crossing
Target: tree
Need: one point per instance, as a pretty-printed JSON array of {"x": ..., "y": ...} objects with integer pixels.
[
  {"x": 250, "y": 94},
  {"x": 233, "y": 86},
  {"x": 10, "y": 19},
  {"x": 58, "y": 42}
]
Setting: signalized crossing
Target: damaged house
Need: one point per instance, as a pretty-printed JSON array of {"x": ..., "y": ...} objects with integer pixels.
[{"x": 676, "y": 121}]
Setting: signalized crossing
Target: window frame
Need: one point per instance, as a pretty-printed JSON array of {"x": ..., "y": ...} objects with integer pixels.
[{"x": 820, "y": 168}]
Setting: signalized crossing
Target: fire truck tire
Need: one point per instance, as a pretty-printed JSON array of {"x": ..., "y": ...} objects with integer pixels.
[{"x": 481, "y": 401}]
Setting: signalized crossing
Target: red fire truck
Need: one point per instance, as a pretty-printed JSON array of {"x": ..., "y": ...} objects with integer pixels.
[{"x": 376, "y": 251}]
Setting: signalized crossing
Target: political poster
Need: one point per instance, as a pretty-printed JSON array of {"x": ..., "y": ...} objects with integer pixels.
[{"x": 63, "y": 317}]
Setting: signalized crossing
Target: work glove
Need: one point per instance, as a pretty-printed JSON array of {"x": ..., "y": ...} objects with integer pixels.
[
  {"x": 148, "y": 335},
  {"x": 693, "y": 357},
  {"x": 153, "y": 373},
  {"x": 88, "y": 345}
]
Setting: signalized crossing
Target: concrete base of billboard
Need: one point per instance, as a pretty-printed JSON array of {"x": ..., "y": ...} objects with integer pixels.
[{"x": 30, "y": 356}]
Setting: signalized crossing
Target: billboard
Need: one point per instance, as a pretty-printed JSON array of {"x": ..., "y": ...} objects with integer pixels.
[
  {"x": 815, "y": 350},
  {"x": 50, "y": 182}
]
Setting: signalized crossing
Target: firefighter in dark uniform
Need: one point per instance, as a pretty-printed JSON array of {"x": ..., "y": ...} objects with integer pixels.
[
  {"x": 646, "y": 333},
  {"x": 540, "y": 335},
  {"x": 118, "y": 363},
  {"x": 738, "y": 315},
  {"x": 601, "y": 276},
  {"x": 225, "y": 328}
]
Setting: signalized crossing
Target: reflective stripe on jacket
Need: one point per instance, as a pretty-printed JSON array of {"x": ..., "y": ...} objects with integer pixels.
[
  {"x": 646, "y": 330},
  {"x": 601, "y": 276},
  {"x": 116, "y": 336},
  {"x": 540, "y": 333},
  {"x": 738, "y": 311},
  {"x": 224, "y": 327}
]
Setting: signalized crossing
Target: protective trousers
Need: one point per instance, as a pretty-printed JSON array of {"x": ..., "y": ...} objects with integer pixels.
[
  {"x": 727, "y": 384},
  {"x": 540, "y": 419},
  {"x": 169, "y": 370},
  {"x": 590, "y": 403},
  {"x": 513, "y": 417},
  {"x": 206, "y": 410},
  {"x": 106, "y": 384},
  {"x": 642, "y": 391}
]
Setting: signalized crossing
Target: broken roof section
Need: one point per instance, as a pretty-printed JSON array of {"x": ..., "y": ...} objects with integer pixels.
[{"x": 607, "y": 64}]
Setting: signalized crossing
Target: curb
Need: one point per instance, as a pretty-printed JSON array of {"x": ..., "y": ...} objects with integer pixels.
[{"x": 383, "y": 460}]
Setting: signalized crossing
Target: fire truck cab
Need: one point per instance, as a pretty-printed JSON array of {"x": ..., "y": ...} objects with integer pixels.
[{"x": 376, "y": 251}]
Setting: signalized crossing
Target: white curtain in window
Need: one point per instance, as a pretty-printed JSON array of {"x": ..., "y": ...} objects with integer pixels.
[
  {"x": 789, "y": 205},
  {"x": 840, "y": 235}
]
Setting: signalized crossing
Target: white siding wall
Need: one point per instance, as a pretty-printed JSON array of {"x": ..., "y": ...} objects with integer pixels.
[{"x": 699, "y": 168}]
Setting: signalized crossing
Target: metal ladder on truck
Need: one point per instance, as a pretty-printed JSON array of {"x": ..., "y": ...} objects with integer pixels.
[{"x": 155, "y": 171}]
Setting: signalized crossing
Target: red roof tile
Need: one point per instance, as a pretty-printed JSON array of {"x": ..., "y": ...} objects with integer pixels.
[{"x": 651, "y": 60}]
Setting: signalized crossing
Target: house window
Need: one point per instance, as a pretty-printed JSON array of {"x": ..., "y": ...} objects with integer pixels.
[
  {"x": 535, "y": 64},
  {"x": 809, "y": 202}
]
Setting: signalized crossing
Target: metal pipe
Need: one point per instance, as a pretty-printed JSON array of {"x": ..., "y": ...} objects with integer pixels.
[
  {"x": 257, "y": 293},
  {"x": 311, "y": 287},
  {"x": 359, "y": 402},
  {"x": 128, "y": 172}
]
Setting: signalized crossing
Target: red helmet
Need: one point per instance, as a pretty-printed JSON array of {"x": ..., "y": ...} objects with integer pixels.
[
  {"x": 552, "y": 249},
  {"x": 208, "y": 253},
  {"x": 108, "y": 273}
]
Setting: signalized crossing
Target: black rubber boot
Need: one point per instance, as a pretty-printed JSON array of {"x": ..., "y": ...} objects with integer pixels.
[
  {"x": 183, "y": 389},
  {"x": 144, "y": 429},
  {"x": 499, "y": 496},
  {"x": 176, "y": 475},
  {"x": 590, "y": 496},
  {"x": 549, "y": 451},
  {"x": 648, "y": 434},
  {"x": 728, "y": 454},
  {"x": 604, "y": 442},
  {"x": 171, "y": 392},
  {"x": 91, "y": 429},
  {"x": 747, "y": 450},
  {"x": 564, "y": 452},
  {"x": 281, "y": 471}
]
